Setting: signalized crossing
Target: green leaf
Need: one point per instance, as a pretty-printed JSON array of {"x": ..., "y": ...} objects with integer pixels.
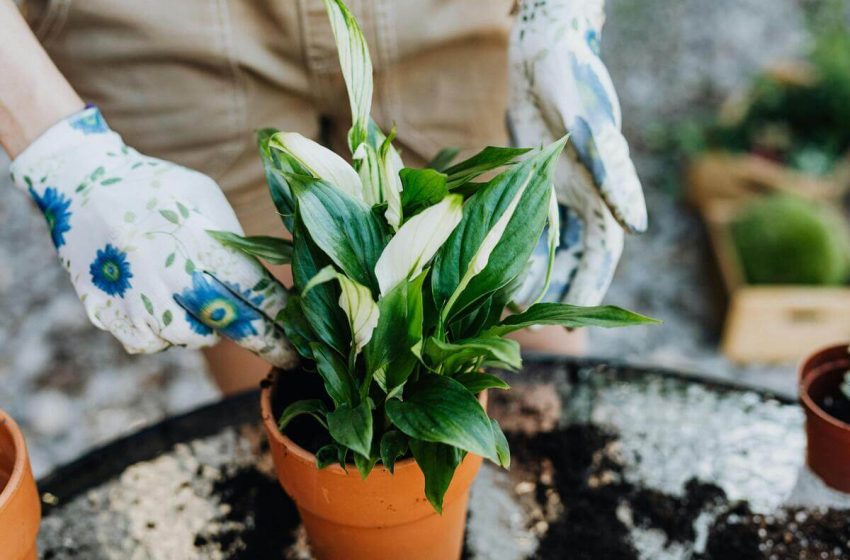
[
  {"x": 441, "y": 410},
  {"x": 453, "y": 357},
  {"x": 351, "y": 426},
  {"x": 503, "y": 450},
  {"x": 570, "y": 316},
  {"x": 169, "y": 260},
  {"x": 276, "y": 165},
  {"x": 170, "y": 215},
  {"x": 438, "y": 463},
  {"x": 443, "y": 158},
  {"x": 416, "y": 243},
  {"x": 189, "y": 266},
  {"x": 364, "y": 464},
  {"x": 321, "y": 305},
  {"x": 393, "y": 447},
  {"x": 399, "y": 328},
  {"x": 356, "y": 67},
  {"x": 296, "y": 327},
  {"x": 487, "y": 251},
  {"x": 342, "y": 226},
  {"x": 330, "y": 454},
  {"x": 476, "y": 381},
  {"x": 274, "y": 250},
  {"x": 422, "y": 188},
  {"x": 183, "y": 210},
  {"x": 110, "y": 181},
  {"x": 339, "y": 384},
  {"x": 491, "y": 157},
  {"x": 355, "y": 300},
  {"x": 147, "y": 303},
  {"x": 167, "y": 317},
  {"x": 313, "y": 407}
]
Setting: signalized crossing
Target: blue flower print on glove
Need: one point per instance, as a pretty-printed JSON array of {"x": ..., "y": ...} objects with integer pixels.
[
  {"x": 89, "y": 122},
  {"x": 55, "y": 207},
  {"x": 212, "y": 305},
  {"x": 110, "y": 271}
]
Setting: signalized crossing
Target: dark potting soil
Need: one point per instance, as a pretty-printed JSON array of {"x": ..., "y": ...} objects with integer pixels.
[
  {"x": 836, "y": 405},
  {"x": 304, "y": 429},
  {"x": 259, "y": 520},
  {"x": 589, "y": 481},
  {"x": 791, "y": 533}
]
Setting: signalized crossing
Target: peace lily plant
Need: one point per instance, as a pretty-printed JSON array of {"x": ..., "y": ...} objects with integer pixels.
[{"x": 402, "y": 279}]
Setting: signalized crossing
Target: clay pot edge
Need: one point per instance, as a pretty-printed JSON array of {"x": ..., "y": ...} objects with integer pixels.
[
  {"x": 302, "y": 454},
  {"x": 21, "y": 459},
  {"x": 807, "y": 376}
]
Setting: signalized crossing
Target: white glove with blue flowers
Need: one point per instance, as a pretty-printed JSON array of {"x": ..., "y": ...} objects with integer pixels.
[
  {"x": 132, "y": 232},
  {"x": 559, "y": 85}
]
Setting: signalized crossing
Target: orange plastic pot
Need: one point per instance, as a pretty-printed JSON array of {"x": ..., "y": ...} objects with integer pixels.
[
  {"x": 828, "y": 438},
  {"x": 386, "y": 516},
  {"x": 20, "y": 508}
]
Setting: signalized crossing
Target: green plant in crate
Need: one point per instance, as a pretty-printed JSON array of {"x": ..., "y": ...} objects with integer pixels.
[
  {"x": 784, "y": 239},
  {"x": 402, "y": 278},
  {"x": 796, "y": 118}
]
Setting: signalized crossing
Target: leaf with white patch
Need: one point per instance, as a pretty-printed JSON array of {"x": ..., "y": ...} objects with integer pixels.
[
  {"x": 356, "y": 300},
  {"x": 416, "y": 243},
  {"x": 356, "y": 68},
  {"x": 319, "y": 161}
]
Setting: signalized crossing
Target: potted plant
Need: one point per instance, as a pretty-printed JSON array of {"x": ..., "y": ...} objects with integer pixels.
[
  {"x": 20, "y": 508},
  {"x": 783, "y": 133},
  {"x": 401, "y": 281},
  {"x": 825, "y": 395}
]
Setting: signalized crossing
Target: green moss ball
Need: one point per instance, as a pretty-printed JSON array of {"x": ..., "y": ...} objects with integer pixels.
[{"x": 784, "y": 239}]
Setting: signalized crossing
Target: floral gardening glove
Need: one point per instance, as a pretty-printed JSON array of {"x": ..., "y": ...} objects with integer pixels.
[
  {"x": 132, "y": 232},
  {"x": 559, "y": 85}
]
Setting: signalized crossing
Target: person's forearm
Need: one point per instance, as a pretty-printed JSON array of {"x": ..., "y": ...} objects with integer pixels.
[{"x": 33, "y": 93}]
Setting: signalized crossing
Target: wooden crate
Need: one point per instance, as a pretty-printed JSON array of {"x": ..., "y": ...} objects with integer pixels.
[
  {"x": 772, "y": 323},
  {"x": 723, "y": 176}
]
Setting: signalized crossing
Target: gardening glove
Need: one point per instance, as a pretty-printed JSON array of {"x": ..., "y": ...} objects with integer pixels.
[
  {"x": 560, "y": 86},
  {"x": 131, "y": 231}
]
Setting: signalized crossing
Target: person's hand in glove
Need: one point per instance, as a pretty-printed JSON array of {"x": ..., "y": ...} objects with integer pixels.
[
  {"x": 133, "y": 233},
  {"x": 559, "y": 85}
]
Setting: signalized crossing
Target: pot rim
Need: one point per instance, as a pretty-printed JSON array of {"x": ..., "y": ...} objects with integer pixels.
[
  {"x": 305, "y": 456},
  {"x": 808, "y": 377},
  {"x": 301, "y": 453},
  {"x": 802, "y": 371},
  {"x": 8, "y": 424}
]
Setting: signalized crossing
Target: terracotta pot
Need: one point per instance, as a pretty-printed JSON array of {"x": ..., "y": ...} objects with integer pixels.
[
  {"x": 20, "y": 508},
  {"x": 386, "y": 516},
  {"x": 828, "y": 447}
]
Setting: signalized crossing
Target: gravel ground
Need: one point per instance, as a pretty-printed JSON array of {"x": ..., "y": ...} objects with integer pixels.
[{"x": 72, "y": 387}]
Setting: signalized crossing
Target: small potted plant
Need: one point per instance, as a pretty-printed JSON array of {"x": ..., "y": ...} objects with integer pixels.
[
  {"x": 825, "y": 394},
  {"x": 401, "y": 282},
  {"x": 20, "y": 508}
]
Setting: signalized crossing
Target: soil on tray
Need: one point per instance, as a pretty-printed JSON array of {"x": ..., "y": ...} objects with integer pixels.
[
  {"x": 259, "y": 521},
  {"x": 600, "y": 508},
  {"x": 791, "y": 533}
]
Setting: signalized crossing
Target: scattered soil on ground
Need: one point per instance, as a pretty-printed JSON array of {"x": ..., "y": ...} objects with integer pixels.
[
  {"x": 791, "y": 533},
  {"x": 579, "y": 468},
  {"x": 258, "y": 520}
]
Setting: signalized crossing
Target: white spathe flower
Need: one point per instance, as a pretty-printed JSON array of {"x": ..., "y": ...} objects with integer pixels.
[
  {"x": 355, "y": 300},
  {"x": 321, "y": 162},
  {"x": 417, "y": 241}
]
